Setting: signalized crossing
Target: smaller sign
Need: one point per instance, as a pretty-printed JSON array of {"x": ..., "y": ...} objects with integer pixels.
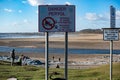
[{"x": 111, "y": 34}]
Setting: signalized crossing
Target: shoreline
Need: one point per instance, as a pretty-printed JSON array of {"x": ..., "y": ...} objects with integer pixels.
[
  {"x": 75, "y": 61},
  {"x": 83, "y": 41}
]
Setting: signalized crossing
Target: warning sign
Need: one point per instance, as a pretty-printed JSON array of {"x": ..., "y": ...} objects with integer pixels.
[
  {"x": 56, "y": 18},
  {"x": 111, "y": 34}
]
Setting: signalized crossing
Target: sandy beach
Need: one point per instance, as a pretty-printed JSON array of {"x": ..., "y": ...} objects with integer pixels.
[
  {"x": 84, "y": 41},
  {"x": 78, "y": 41}
]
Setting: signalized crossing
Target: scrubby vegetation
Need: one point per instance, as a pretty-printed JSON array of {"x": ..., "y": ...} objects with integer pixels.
[{"x": 38, "y": 73}]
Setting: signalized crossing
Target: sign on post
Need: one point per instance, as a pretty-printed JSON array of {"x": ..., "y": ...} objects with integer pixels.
[
  {"x": 112, "y": 17},
  {"x": 111, "y": 34},
  {"x": 56, "y": 18}
]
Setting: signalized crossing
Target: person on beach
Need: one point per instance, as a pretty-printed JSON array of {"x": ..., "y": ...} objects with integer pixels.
[
  {"x": 57, "y": 66},
  {"x": 53, "y": 58},
  {"x": 20, "y": 60},
  {"x": 12, "y": 56},
  {"x": 59, "y": 59}
]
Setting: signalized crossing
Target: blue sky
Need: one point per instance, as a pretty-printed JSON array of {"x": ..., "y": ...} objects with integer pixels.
[{"x": 22, "y": 15}]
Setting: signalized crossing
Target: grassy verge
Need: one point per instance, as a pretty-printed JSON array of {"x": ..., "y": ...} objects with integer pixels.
[{"x": 38, "y": 73}]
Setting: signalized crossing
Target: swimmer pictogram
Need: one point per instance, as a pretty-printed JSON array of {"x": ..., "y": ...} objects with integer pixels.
[{"x": 48, "y": 23}]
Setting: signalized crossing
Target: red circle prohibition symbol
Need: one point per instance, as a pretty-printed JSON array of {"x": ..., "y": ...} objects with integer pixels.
[{"x": 48, "y": 23}]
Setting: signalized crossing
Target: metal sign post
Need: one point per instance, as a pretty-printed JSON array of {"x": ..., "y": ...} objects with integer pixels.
[
  {"x": 112, "y": 25},
  {"x": 111, "y": 34},
  {"x": 46, "y": 55},
  {"x": 66, "y": 56},
  {"x": 111, "y": 58}
]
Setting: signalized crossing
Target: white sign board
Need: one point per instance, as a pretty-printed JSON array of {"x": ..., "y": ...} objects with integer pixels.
[
  {"x": 56, "y": 18},
  {"x": 111, "y": 34},
  {"x": 112, "y": 17}
]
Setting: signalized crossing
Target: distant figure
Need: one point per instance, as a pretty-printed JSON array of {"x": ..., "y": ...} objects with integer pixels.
[
  {"x": 13, "y": 56},
  {"x": 57, "y": 66},
  {"x": 53, "y": 58},
  {"x": 21, "y": 59},
  {"x": 59, "y": 59},
  {"x": 24, "y": 60}
]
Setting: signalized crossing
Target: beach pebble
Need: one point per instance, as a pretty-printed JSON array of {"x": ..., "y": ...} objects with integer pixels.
[{"x": 12, "y": 79}]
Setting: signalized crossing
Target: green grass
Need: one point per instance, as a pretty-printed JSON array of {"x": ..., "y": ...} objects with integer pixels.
[{"x": 38, "y": 73}]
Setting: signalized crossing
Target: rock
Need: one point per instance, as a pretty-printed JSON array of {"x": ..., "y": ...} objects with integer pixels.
[{"x": 12, "y": 79}]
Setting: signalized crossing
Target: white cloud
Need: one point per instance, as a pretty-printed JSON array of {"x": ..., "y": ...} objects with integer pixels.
[
  {"x": 8, "y": 10},
  {"x": 14, "y": 23},
  {"x": 68, "y": 3},
  {"x": 49, "y": 3},
  {"x": 20, "y": 11},
  {"x": 102, "y": 17},
  {"x": 35, "y": 2},
  {"x": 37, "y": 11},
  {"x": 118, "y": 14},
  {"x": 91, "y": 16},
  {"x": 95, "y": 17},
  {"x": 24, "y": 2},
  {"x": 25, "y": 21}
]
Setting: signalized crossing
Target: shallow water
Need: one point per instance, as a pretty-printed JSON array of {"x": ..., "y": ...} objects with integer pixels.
[{"x": 57, "y": 50}]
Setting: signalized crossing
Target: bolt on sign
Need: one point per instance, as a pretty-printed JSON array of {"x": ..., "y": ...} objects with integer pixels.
[
  {"x": 56, "y": 18},
  {"x": 111, "y": 34}
]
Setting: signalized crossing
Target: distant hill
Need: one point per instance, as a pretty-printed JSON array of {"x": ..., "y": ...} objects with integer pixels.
[{"x": 91, "y": 31}]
